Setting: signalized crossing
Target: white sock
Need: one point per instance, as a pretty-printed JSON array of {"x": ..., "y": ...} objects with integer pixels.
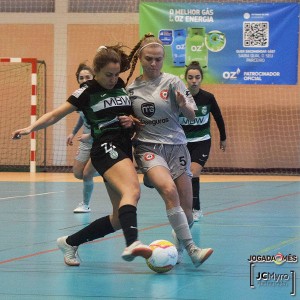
[{"x": 179, "y": 223}]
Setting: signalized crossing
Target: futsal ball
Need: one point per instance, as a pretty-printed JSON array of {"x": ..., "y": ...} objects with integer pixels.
[{"x": 164, "y": 256}]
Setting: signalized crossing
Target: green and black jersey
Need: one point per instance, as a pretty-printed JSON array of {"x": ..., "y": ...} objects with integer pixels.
[
  {"x": 199, "y": 129},
  {"x": 101, "y": 107}
]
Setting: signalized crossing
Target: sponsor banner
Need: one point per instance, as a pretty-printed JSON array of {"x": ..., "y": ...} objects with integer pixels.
[{"x": 234, "y": 43}]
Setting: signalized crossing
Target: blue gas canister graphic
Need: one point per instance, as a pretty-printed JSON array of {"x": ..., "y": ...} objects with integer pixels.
[{"x": 178, "y": 47}]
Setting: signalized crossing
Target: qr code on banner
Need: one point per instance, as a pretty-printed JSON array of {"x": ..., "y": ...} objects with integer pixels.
[{"x": 256, "y": 34}]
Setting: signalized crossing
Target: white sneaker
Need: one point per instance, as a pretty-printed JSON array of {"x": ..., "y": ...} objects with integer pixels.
[
  {"x": 179, "y": 246},
  {"x": 198, "y": 255},
  {"x": 197, "y": 214},
  {"x": 136, "y": 249},
  {"x": 70, "y": 252},
  {"x": 82, "y": 208}
]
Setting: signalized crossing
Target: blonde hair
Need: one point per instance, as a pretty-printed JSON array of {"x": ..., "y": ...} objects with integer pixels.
[{"x": 148, "y": 40}]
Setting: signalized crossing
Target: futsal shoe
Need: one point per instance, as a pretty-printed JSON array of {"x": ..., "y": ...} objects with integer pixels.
[
  {"x": 197, "y": 215},
  {"x": 70, "y": 252},
  {"x": 198, "y": 255},
  {"x": 136, "y": 249},
  {"x": 179, "y": 246},
  {"x": 82, "y": 208}
]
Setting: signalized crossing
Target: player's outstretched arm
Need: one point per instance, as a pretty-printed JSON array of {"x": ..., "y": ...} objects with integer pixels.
[{"x": 46, "y": 120}]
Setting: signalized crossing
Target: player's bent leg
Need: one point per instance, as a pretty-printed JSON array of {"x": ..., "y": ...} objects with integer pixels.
[
  {"x": 161, "y": 179},
  {"x": 89, "y": 171},
  {"x": 88, "y": 186},
  {"x": 125, "y": 184},
  {"x": 124, "y": 189},
  {"x": 78, "y": 167},
  {"x": 184, "y": 188},
  {"x": 115, "y": 201}
]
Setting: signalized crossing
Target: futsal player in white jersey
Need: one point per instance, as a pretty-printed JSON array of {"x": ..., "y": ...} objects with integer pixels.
[
  {"x": 82, "y": 166},
  {"x": 160, "y": 144}
]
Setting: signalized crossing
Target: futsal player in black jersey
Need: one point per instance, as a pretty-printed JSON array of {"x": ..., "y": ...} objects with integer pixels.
[{"x": 107, "y": 108}]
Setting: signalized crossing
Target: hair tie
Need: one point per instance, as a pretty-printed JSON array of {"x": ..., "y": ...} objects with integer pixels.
[
  {"x": 152, "y": 43},
  {"x": 101, "y": 48}
]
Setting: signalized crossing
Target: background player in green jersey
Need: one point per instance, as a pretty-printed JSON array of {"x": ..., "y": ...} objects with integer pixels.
[{"x": 198, "y": 131}]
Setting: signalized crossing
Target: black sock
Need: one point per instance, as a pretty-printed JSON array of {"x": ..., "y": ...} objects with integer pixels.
[
  {"x": 97, "y": 229},
  {"x": 196, "y": 193},
  {"x": 128, "y": 221}
]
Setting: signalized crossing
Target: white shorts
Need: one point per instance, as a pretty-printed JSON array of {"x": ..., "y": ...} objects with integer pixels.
[
  {"x": 176, "y": 158},
  {"x": 83, "y": 153}
]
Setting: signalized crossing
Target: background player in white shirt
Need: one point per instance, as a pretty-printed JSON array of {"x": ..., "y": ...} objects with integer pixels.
[{"x": 82, "y": 166}]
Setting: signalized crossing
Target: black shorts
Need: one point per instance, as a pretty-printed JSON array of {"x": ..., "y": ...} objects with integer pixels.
[
  {"x": 107, "y": 152},
  {"x": 199, "y": 151}
]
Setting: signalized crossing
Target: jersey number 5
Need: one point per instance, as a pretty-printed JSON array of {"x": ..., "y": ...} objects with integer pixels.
[{"x": 182, "y": 160}]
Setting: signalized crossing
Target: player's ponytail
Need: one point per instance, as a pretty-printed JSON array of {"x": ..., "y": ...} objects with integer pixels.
[{"x": 107, "y": 54}]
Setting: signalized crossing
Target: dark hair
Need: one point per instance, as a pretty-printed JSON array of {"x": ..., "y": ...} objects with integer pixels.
[
  {"x": 108, "y": 54},
  {"x": 83, "y": 66},
  {"x": 194, "y": 65},
  {"x": 134, "y": 54}
]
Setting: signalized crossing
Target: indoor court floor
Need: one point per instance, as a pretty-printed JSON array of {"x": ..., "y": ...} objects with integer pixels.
[{"x": 245, "y": 217}]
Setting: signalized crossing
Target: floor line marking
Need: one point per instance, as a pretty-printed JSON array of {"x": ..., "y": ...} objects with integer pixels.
[
  {"x": 251, "y": 203},
  {"x": 30, "y": 195},
  {"x": 152, "y": 227},
  {"x": 223, "y": 188},
  {"x": 279, "y": 245},
  {"x": 26, "y": 256}
]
